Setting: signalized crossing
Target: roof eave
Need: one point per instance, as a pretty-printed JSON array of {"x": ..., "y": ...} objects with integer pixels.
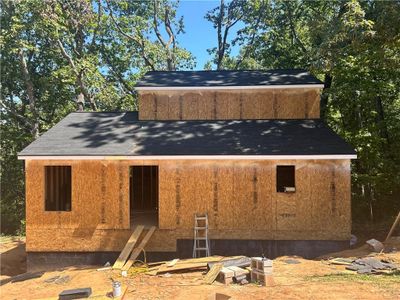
[
  {"x": 234, "y": 87},
  {"x": 188, "y": 157}
]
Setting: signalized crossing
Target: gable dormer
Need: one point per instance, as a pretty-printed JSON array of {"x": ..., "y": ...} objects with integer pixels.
[{"x": 222, "y": 95}]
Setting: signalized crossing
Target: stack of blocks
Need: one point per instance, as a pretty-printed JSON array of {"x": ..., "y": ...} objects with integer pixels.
[
  {"x": 261, "y": 268},
  {"x": 232, "y": 274}
]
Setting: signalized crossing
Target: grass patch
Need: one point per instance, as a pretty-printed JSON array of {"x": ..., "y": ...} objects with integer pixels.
[{"x": 385, "y": 281}]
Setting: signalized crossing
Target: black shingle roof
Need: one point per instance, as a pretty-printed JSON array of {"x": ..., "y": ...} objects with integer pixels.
[
  {"x": 98, "y": 133},
  {"x": 226, "y": 78}
]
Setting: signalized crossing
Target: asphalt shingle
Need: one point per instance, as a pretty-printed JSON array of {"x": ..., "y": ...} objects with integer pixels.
[{"x": 122, "y": 134}]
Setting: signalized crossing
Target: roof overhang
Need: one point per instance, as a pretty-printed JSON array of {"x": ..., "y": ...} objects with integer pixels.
[
  {"x": 189, "y": 157},
  {"x": 252, "y": 87}
]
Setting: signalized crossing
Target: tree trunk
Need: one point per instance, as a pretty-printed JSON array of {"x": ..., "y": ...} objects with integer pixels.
[
  {"x": 30, "y": 93},
  {"x": 324, "y": 97},
  {"x": 380, "y": 118}
]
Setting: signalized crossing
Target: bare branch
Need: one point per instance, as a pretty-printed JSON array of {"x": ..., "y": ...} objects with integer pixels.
[
  {"x": 155, "y": 24},
  {"x": 139, "y": 42}
]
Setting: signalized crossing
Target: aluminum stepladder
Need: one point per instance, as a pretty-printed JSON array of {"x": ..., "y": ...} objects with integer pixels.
[{"x": 201, "y": 242}]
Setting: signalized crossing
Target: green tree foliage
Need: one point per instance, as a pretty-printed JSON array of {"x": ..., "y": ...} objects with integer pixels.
[
  {"x": 61, "y": 56},
  {"x": 354, "y": 47}
]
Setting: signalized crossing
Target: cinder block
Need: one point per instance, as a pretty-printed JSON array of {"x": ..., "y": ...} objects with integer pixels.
[
  {"x": 225, "y": 276},
  {"x": 261, "y": 265},
  {"x": 260, "y": 277}
]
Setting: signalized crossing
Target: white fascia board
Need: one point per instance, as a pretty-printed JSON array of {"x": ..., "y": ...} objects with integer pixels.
[
  {"x": 191, "y": 157},
  {"x": 248, "y": 87}
]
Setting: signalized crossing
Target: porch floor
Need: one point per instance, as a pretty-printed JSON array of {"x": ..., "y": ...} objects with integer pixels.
[{"x": 145, "y": 218}]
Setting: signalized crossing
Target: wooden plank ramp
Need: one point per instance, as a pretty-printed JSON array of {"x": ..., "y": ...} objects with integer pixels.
[
  {"x": 135, "y": 253},
  {"x": 119, "y": 263}
]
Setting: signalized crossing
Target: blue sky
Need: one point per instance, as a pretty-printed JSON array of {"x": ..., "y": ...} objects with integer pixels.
[{"x": 200, "y": 34}]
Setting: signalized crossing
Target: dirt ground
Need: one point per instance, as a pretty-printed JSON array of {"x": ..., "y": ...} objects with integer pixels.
[{"x": 309, "y": 279}]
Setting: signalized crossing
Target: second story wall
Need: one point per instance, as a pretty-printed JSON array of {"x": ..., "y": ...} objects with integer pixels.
[{"x": 293, "y": 103}]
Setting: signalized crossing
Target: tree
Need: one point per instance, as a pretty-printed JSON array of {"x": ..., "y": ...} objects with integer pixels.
[
  {"x": 353, "y": 47},
  {"x": 149, "y": 30},
  {"x": 224, "y": 17},
  {"x": 60, "y": 56}
]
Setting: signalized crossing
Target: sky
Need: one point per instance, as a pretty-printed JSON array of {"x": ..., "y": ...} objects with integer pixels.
[{"x": 200, "y": 34}]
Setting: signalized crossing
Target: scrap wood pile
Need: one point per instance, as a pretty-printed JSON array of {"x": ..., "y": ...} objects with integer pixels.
[
  {"x": 367, "y": 265},
  {"x": 237, "y": 269}
]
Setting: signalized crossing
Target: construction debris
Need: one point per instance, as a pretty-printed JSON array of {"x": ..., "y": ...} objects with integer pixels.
[
  {"x": 225, "y": 276},
  {"x": 370, "y": 265},
  {"x": 340, "y": 261},
  {"x": 213, "y": 273},
  {"x": 26, "y": 276},
  {"x": 240, "y": 261},
  {"x": 375, "y": 245},
  {"x": 104, "y": 269},
  {"x": 261, "y": 268},
  {"x": 75, "y": 294},
  {"x": 190, "y": 264},
  {"x": 172, "y": 262}
]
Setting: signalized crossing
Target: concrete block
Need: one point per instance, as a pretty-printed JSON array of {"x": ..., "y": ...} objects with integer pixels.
[
  {"x": 375, "y": 245},
  {"x": 261, "y": 278},
  {"x": 238, "y": 271},
  {"x": 225, "y": 276},
  {"x": 261, "y": 265}
]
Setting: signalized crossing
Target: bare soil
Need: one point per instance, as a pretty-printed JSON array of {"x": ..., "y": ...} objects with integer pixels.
[{"x": 310, "y": 279}]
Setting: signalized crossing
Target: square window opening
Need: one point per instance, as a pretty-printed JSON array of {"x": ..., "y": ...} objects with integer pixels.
[
  {"x": 285, "y": 179},
  {"x": 58, "y": 188}
]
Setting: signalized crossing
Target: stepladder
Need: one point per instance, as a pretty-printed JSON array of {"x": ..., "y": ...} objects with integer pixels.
[{"x": 201, "y": 244}]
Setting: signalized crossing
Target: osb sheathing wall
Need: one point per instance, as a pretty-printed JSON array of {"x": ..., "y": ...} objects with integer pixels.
[
  {"x": 230, "y": 104},
  {"x": 239, "y": 196}
]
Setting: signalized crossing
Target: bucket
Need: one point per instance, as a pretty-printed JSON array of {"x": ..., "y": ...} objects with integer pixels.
[{"x": 116, "y": 288}]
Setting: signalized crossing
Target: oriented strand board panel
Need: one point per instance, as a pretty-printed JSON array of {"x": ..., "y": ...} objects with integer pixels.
[
  {"x": 146, "y": 106},
  {"x": 240, "y": 198},
  {"x": 312, "y": 104},
  {"x": 190, "y": 106},
  {"x": 291, "y": 103},
  {"x": 161, "y": 110}
]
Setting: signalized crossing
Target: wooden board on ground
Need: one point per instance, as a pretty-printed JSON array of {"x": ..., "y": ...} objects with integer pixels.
[
  {"x": 135, "y": 253},
  {"x": 119, "y": 263},
  {"x": 172, "y": 262},
  {"x": 188, "y": 264},
  {"x": 396, "y": 222},
  {"x": 213, "y": 273}
]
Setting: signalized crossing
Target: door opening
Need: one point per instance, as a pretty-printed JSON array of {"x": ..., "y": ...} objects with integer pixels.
[{"x": 144, "y": 195}]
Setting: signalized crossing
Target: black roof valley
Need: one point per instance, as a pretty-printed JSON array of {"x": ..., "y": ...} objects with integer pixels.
[
  {"x": 122, "y": 134},
  {"x": 226, "y": 78}
]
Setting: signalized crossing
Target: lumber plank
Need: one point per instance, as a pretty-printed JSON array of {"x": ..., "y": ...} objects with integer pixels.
[
  {"x": 135, "y": 252},
  {"x": 172, "y": 262},
  {"x": 188, "y": 264},
  {"x": 396, "y": 222},
  {"x": 178, "y": 267},
  {"x": 119, "y": 263},
  {"x": 213, "y": 273}
]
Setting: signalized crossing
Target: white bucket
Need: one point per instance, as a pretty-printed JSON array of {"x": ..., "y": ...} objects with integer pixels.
[{"x": 116, "y": 288}]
